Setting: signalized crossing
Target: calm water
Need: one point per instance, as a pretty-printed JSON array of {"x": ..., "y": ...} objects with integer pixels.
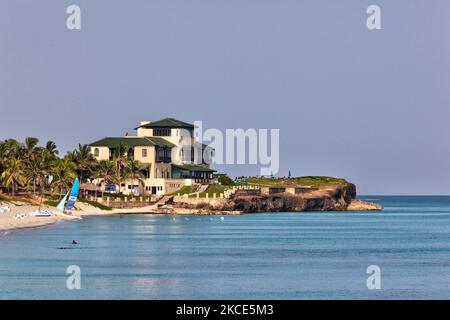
[{"x": 255, "y": 256}]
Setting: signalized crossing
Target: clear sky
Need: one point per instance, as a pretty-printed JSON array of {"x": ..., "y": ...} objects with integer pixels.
[{"x": 370, "y": 106}]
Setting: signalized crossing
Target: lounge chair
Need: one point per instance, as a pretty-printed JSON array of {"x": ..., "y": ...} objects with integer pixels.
[
  {"x": 5, "y": 208},
  {"x": 19, "y": 216}
]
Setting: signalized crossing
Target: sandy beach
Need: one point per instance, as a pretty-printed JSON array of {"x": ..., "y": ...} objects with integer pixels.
[{"x": 8, "y": 222}]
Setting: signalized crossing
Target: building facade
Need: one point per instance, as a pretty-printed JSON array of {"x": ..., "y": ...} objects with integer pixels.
[{"x": 169, "y": 153}]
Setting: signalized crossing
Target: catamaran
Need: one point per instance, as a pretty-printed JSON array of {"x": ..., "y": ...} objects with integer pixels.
[
  {"x": 64, "y": 207},
  {"x": 41, "y": 213}
]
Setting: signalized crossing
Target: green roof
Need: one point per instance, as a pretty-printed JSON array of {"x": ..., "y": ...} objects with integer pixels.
[
  {"x": 193, "y": 167},
  {"x": 131, "y": 142},
  {"x": 168, "y": 123}
]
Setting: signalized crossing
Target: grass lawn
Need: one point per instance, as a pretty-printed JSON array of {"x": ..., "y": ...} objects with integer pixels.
[
  {"x": 4, "y": 199},
  {"x": 185, "y": 190},
  {"x": 53, "y": 203},
  {"x": 309, "y": 181},
  {"x": 214, "y": 188}
]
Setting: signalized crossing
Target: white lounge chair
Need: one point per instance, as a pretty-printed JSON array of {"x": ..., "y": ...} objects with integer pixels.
[
  {"x": 19, "y": 216},
  {"x": 5, "y": 208}
]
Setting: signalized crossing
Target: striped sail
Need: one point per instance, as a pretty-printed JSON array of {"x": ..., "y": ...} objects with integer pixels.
[
  {"x": 60, "y": 206},
  {"x": 73, "y": 195}
]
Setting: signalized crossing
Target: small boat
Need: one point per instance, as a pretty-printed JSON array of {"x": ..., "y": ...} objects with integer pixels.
[
  {"x": 41, "y": 213},
  {"x": 64, "y": 207},
  {"x": 69, "y": 216}
]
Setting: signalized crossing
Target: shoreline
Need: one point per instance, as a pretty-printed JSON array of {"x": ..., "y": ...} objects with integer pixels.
[{"x": 9, "y": 224}]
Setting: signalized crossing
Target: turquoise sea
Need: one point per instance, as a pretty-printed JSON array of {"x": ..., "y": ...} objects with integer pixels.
[{"x": 313, "y": 255}]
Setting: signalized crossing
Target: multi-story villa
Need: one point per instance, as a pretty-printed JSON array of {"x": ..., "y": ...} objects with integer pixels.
[{"x": 169, "y": 153}]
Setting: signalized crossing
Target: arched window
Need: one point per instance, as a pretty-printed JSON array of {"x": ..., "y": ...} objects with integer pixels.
[{"x": 96, "y": 152}]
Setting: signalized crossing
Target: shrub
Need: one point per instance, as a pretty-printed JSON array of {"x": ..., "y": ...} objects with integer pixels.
[
  {"x": 95, "y": 204},
  {"x": 226, "y": 180}
]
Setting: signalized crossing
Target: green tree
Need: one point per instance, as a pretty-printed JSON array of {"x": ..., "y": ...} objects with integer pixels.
[
  {"x": 34, "y": 170},
  {"x": 133, "y": 170},
  {"x": 12, "y": 175},
  {"x": 226, "y": 180},
  {"x": 106, "y": 171},
  {"x": 51, "y": 149},
  {"x": 120, "y": 155},
  {"x": 30, "y": 146},
  {"x": 85, "y": 162},
  {"x": 3, "y": 155},
  {"x": 63, "y": 173}
]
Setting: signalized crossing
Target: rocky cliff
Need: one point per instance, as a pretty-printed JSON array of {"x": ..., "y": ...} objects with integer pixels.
[
  {"x": 323, "y": 199},
  {"x": 331, "y": 198}
]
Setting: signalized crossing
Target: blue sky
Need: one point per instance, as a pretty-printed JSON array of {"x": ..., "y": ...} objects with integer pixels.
[{"x": 370, "y": 106}]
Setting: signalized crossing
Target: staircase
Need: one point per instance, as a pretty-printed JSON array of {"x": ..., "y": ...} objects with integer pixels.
[
  {"x": 202, "y": 188},
  {"x": 164, "y": 201}
]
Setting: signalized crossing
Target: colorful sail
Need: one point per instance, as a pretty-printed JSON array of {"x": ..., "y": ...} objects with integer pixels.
[
  {"x": 60, "y": 206},
  {"x": 73, "y": 195}
]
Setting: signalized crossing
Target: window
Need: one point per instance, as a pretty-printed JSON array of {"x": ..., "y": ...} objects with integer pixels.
[
  {"x": 96, "y": 152},
  {"x": 159, "y": 154},
  {"x": 163, "y": 155},
  {"x": 162, "y": 132},
  {"x": 144, "y": 153}
]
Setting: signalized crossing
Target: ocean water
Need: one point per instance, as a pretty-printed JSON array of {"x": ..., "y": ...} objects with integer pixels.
[{"x": 314, "y": 255}]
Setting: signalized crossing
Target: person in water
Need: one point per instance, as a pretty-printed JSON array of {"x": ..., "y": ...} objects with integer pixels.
[{"x": 74, "y": 242}]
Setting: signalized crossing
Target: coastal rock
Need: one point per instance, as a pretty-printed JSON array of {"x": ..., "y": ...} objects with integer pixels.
[
  {"x": 360, "y": 205},
  {"x": 330, "y": 198}
]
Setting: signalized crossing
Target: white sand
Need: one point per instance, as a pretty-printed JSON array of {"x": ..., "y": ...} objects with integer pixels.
[{"x": 7, "y": 221}]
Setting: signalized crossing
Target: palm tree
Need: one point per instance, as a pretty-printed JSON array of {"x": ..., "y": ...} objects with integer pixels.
[
  {"x": 30, "y": 146},
  {"x": 120, "y": 156},
  {"x": 13, "y": 149},
  {"x": 51, "y": 149},
  {"x": 10, "y": 151},
  {"x": 12, "y": 174},
  {"x": 84, "y": 160},
  {"x": 34, "y": 170},
  {"x": 105, "y": 170},
  {"x": 133, "y": 170},
  {"x": 63, "y": 172},
  {"x": 3, "y": 154}
]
